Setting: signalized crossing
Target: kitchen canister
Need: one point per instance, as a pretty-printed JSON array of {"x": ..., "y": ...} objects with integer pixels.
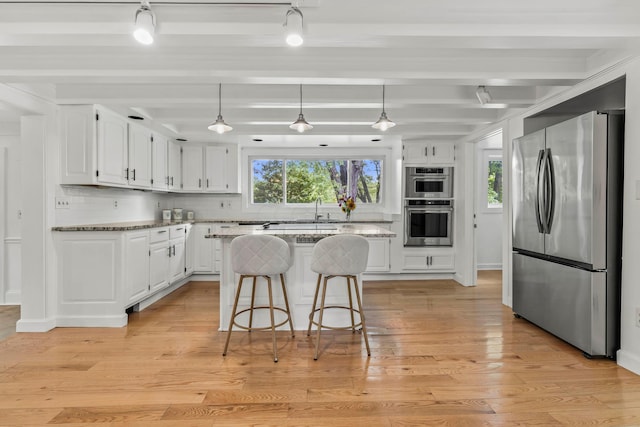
[
  {"x": 166, "y": 214},
  {"x": 177, "y": 214},
  {"x": 190, "y": 216}
]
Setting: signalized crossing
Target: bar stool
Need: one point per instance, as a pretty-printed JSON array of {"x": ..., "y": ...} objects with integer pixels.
[
  {"x": 339, "y": 256},
  {"x": 260, "y": 256}
]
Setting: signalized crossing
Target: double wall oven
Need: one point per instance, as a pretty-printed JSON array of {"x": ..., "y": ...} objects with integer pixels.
[{"x": 428, "y": 206}]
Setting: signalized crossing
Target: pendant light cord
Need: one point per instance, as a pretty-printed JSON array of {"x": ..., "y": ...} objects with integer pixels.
[
  {"x": 220, "y": 99},
  {"x": 300, "y": 98},
  {"x": 383, "y": 99}
]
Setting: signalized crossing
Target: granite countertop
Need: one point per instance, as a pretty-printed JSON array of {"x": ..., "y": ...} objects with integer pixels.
[
  {"x": 141, "y": 225},
  {"x": 308, "y": 230}
]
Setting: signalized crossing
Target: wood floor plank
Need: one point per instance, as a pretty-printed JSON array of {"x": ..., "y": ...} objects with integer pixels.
[{"x": 442, "y": 355}]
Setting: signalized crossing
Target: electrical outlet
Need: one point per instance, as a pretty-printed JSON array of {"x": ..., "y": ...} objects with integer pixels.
[
  {"x": 158, "y": 205},
  {"x": 222, "y": 205},
  {"x": 638, "y": 317},
  {"x": 115, "y": 204},
  {"x": 229, "y": 204},
  {"x": 63, "y": 202}
]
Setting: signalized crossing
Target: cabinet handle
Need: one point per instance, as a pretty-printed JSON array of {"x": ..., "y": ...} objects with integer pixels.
[
  {"x": 134, "y": 174},
  {"x": 162, "y": 231},
  {"x": 207, "y": 182},
  {"x": 126, "y": 172},
  {"x": 169, "y": 251},
  {"x": 199, "y": 182},
  {"x": 174, "y": 250},
  {"x": 171, "y": 180},
  {"x": 208, "y": 231},
  {"x": 426, "y": 151},
  {"x": 179, "y": 228},
  {"x": 167, "y": 179},
  {"x": 433, "y": 150}
]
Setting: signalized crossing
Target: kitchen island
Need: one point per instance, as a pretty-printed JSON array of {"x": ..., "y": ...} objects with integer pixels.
[{"x": 300, "y": 280}]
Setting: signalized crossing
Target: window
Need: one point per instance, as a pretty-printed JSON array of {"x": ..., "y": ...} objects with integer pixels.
[
  {"x": 494, "y": 182},
  {"x": 302, "y": 181}
]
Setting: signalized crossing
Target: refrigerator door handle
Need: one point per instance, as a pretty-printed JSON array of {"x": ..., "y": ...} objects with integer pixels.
[
  {"x": 539, "y": 205},
  {"x": 551, "y": 190}
]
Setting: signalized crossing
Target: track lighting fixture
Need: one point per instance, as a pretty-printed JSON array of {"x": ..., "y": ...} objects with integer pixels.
[
  {"x": 145, "y": 23},
  {"x": 293, "y": 24},
  {"x": 482, "y": 94},
  {"x": 301, "y": 124},
  {"x": 383, "y": 122},
  {"x": 219, "y": 125}
]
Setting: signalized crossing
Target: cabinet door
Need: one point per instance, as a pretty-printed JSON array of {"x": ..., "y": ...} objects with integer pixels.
[
  {"x": 112, "y": 148},
  {"x": 139, "y": 156},
  {"x": 192, "y": 164},
  {"x": 189, "y": 249},
  {"x": 175, "y": 166},
  {"x": 215, "y": 169},
  {"x": 442, "y": 262},
  {"x": 158, "y": 266},
  {"x": 136, "y": 265},
  {"x": 378, "y": 254},
  {"x": 177, "y": 261},
  {"x": 441, "y": 153},
  {"x": 159, "y": 163},
  {"x": 415, "y": 153},
  {"x": 414, "y": 262},
  {"x": 78, "y": 145},
  {"x": 204, "y": 249}
]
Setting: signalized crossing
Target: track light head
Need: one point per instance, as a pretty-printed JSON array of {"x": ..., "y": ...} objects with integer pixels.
[
  {"x": 294, "y": 26},
  {"x": 145, "y": 24},
  {"x": 483, "y": 95}
]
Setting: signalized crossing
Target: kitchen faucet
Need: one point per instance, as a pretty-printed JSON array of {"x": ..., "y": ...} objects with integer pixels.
[{"x": 317, "y": 216}]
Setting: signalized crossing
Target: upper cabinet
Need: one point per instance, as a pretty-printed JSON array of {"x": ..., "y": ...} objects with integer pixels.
[
  {"x": 211, "y": 169},
  {"x": 174, "y": 166},
  {"x": 99, "y": 147},
  {"x": 420, "y": 153}
]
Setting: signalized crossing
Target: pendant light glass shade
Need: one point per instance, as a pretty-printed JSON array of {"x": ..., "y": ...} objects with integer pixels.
[
  {"x": 383, "y": 122},
  {"x": 300, "y": 125},
  {"x": 145, "y": 24},
  {"x": 219, "y": 125},
  {"x": 293, "y": 25}
]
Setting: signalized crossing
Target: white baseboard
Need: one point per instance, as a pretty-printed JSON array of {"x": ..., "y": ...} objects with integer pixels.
[
  {"x": 628, "y": 361},
  {"x": 199, "y": 277},
  {"x": 372, "y": 277},
  {"x": 116, "y": 321},
  {"x": 29, "y": 325},
  {"x": 496, "y": 266}
]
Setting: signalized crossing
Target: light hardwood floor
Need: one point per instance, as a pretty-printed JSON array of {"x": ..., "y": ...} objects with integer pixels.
[{"x": 442, "y": 354}]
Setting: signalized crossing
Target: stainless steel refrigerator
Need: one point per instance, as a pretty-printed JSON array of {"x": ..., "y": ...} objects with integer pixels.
[{"x": 567, "y": 228}]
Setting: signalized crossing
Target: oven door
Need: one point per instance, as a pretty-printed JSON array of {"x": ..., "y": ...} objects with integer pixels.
[
  {"x": 429, "y": 187},
  {"x": 425, "y": 226}
]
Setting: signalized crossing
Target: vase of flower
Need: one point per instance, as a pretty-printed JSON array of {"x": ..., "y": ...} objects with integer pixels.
[{"x": 347, "y": 204}]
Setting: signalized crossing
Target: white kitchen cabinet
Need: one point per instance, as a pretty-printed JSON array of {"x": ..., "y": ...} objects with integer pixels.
[
  {"x": 215, "y": 180},
  {"x": 379, "y": 260},
  {"x": 158, "y": 258},
  {"x": 159, "y": 162},
  {"x": 136, "y": 265},
  {"x": 174, "y": 165},
  {"x": 192, "y": 168},
  {"x": 421, "y": 153},
  {"x": 204, "y": 261},
  {"x": 177, "y": 258},
  {"x": 189, "y": 249},
  {"x": 112, "y": 151},
  {"x": 139, "y": 160},
  {"x": 428, "y": 260}
]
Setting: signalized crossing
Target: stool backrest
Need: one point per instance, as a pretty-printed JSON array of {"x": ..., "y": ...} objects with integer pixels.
[
  {"x": 260, "y": 255},
  {"x": 344, "y": 254}
]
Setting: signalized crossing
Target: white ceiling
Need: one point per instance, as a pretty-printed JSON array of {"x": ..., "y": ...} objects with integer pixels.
[{"x": 430, "y": 54}]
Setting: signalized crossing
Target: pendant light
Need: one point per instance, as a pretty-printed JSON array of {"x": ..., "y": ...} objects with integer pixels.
[
  {"x": 293, "y": 24},
  {"x": 145, "y": 24},
  {"x": 301, "y": 124},
  {"x": 383, "y": 122},
  {"x": 219, "y": 125}
]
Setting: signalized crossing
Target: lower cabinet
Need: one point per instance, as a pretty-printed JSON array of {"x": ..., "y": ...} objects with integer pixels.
[
  {"x": 159, "y": 259},
  {"x": 177, "y": 246},
  {"x": 379, "y": 260},
  {"x": 428, "y": 260},
  {"x": 207, "y": 252},
  {"x": 136, "y": 265}
]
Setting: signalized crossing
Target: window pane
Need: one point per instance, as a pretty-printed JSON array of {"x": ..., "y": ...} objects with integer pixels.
[
  {"x": 308, "y": 180},
  {"x": 494, "y": 190},
  {"x": 267, "y": 181},
  {"x": 365, "y": 180}
]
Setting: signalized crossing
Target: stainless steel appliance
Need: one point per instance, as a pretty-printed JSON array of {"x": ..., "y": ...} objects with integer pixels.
[
  {"x": 429, "y": 183},
  {"x": 567, "y": 230},
  {"x": 428, "y": 222}
]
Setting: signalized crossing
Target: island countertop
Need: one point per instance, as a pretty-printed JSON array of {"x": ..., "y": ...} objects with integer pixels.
[{"x": 304, "y": 230}]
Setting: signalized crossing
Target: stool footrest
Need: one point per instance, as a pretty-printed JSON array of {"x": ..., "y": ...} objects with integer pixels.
[
  {"x": 261, "y": 328},
  {"x": 335, "y": 328}
]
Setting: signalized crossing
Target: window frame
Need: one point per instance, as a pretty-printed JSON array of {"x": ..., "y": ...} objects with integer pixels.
[{"x": 489, "y": 155}]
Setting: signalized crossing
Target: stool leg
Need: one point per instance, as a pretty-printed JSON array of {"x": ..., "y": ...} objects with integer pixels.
[
  {"x": 273, "y": 323},
  {"x": 286, "y": 303},
  {"x": 324, "y": 294},
  {"x": 313, "y": 308},
  {"x": 233, "y": 314},
  {"x": 353, "y": 322},
  {"x": 364, "y": 326},
  {"x": 253, "y": 299}
]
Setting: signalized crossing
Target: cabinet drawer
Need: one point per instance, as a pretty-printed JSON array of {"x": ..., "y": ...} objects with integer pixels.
[
  {"x": 157, "y": 235},
  {"x": 177, "y": 231}
]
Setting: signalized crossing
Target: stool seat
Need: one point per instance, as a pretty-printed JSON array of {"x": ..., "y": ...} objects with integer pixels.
[
  {"x": 345, "y": 256},
  {"x": 260, "y": 256}
]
